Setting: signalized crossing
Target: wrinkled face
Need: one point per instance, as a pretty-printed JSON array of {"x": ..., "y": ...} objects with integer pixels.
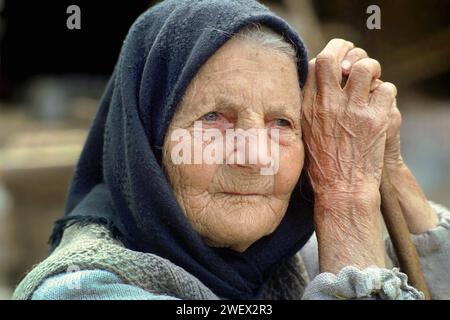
[{"x": 242, "y": 86}]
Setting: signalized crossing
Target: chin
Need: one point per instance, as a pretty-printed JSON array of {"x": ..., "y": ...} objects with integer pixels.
[{"x": 239, "y": 237}]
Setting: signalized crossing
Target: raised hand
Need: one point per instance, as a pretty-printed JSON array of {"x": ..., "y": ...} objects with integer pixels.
[{"x": 344, "y": 131}]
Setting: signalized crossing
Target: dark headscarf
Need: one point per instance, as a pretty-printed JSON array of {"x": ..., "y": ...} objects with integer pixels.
[{"x": 119, "y": 180}]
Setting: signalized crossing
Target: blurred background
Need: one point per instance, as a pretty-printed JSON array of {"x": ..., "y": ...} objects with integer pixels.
[{"x": 51, "y": 79}]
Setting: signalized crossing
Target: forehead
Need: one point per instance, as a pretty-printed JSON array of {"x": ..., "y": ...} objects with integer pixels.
[
  {"x": 249, "y": 60},
  {"x": 247, "y": 73}
]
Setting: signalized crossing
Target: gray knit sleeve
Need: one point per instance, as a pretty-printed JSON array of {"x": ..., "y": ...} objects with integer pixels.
[
  {"x": 91, "y": 285},
  {"x": 433, "y": 248},
  {"x": 352, "y": 283}
]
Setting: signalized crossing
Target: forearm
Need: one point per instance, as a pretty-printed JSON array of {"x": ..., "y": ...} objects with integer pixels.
[
  {"x": 348, "y": 228},
  {"x": 418, "y": 214}
]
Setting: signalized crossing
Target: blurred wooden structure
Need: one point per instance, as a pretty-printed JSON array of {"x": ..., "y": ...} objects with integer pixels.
[{"x": 36, "y": 165}]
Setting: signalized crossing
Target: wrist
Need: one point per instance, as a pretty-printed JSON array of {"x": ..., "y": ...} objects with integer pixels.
[
  {"x": 355, "y": 213},
  {"x": 349, "y": 229},
  {"x": 365, "y": 196}
]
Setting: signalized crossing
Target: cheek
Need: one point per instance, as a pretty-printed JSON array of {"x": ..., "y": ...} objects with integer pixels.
[
  {"x": 292, "y": 158},
  {"x": 197, "y": 176}
]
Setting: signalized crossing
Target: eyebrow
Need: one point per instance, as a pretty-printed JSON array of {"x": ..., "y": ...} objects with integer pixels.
[{"x": 225, "y": 102}]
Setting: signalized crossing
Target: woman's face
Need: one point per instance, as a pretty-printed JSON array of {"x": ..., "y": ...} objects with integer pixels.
[{"x": 242, "y": 86}]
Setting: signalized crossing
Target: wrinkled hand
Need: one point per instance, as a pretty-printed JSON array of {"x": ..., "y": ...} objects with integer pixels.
[
  {"x": 350, "y": 132},
  {"x": 345, "y": 129}
]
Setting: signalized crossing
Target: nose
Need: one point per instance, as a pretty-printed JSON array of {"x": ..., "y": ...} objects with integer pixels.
[{"x": 250, "y": 147}]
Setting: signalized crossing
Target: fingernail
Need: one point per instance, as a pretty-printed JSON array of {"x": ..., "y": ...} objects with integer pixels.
[{"x": 346, "y": 64}]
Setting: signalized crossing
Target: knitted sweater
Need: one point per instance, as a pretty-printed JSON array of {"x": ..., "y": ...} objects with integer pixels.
[
  {"x": 92, "y": 247},
  {"x": 91, "y": 255}
]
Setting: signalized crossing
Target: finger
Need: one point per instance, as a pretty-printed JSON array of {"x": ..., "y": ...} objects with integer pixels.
[
  {"x": 350, "y": 59},
  {"x": 339, "y": 47},
  {"x": 383, "y": 97},
  {"x": 395, "y": 120},
  {"x": 375, "y": 84},
  {"x": 328, "y": 66},
  {"x": 310, "y": 85},
  {"x": 309, "y": 91},
  {"x": 359, "y": 82}
]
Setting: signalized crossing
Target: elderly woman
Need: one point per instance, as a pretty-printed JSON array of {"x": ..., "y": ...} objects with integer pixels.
[{"x": 141, "y": 224}]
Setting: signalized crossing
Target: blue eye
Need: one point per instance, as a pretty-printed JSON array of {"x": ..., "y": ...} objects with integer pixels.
[
  {"x": 210, "y": 116},
  {"x": 282, "y": 123}
]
